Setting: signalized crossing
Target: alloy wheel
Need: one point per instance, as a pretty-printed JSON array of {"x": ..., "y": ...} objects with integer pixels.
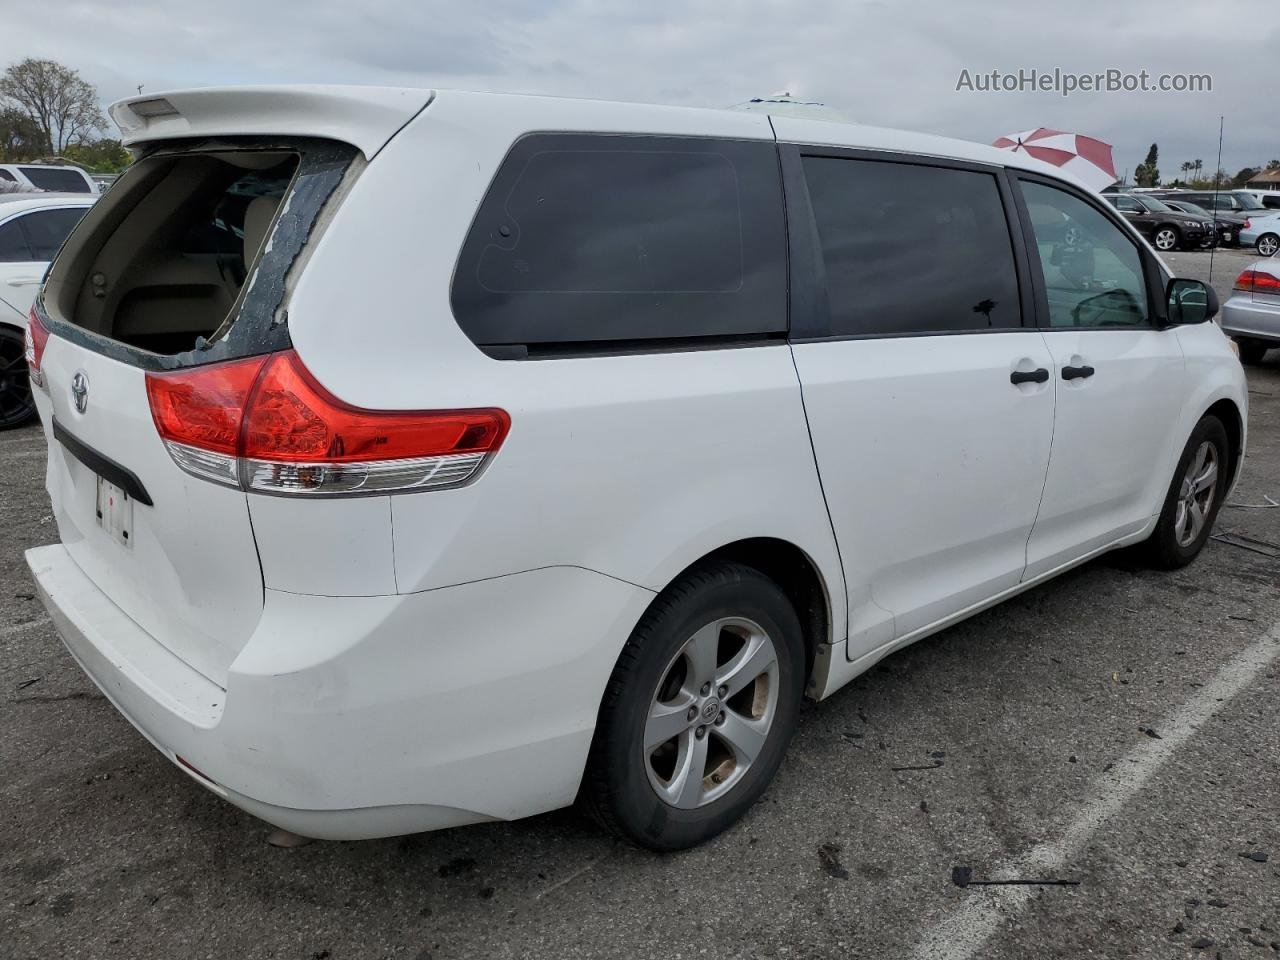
[
  {"x": 711, "y": 713},
  {"x": 1195, "y": 499},
  {"x": 1166, "y": 239},
  {"x": 1268, "y": 245}
]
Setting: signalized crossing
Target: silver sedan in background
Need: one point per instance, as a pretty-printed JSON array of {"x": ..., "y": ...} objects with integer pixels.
[{"x": 1251, "y": 314}]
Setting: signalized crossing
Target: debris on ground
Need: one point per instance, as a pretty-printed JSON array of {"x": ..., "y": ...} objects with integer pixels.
[
  {"x": 1264, "y": 547},
  {"x": 829, "y": 857},
  {"x": 1150, "y": 732},
  {"x": 1257, "y": 856},
  {"x": 963, "y": 877},
  {"x": 30, "y": 682}
]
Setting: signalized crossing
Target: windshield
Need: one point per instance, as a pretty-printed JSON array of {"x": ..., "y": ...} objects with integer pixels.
[
  {"x": 1152, "y": 204},
  {"x": 1192, "y": 208},
  {"x": 1248, "y": 201}
]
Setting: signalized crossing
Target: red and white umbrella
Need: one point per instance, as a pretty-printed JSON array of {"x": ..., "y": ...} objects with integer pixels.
[{"x": 1085, "y": 158}]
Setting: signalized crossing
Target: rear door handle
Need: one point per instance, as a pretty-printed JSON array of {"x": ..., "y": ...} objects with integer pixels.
[
  {"x": 1077, "y": 373},
  {"x": 23, "y": 281},
  {"x": 1039, "y": 375}
]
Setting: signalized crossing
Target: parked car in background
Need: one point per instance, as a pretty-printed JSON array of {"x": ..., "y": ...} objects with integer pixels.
[
  {"x": 1268, "y": 198},
  {"x": 1228, "y": 224},
  {"x": 49, "y": 177},
  {"x": 32, "y": 228},
  {"x": 1166, "y": 229},
  {"x": 586, "y": 496},
  {"x": 1262, "y": 232},
  {"x": 1251, "y": 314},
  {"x": 1223, "y": 201}
]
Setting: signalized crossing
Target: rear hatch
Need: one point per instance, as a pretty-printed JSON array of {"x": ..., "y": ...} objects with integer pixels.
[{"x": 185, "y": 264}]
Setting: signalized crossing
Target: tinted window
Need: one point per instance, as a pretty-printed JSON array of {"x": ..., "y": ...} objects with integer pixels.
[
  {"x": 13, "y": 245},
  {"x": 46, "y": 229},
  {"x": 1092, "y": 270},
  {"x": 6, "y": 175},
  {"x": 606, "y": 238},
  {"x": 912, "y": 249},
  {"x": 1127, "y": 204},
  {"x": 56, "y": 180}
]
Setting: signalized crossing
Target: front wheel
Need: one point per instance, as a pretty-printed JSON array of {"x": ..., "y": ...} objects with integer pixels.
[
  {"x": 1268, "y": 244},
  {"x": 16, "y": 404},
  {"x": 1166, "y": 239},
  {"x": 699, "y": 710},
  {"x": 1194, "y": 498}
]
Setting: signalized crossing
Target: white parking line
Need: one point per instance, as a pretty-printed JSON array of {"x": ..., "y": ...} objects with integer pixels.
[{"x": 963, "y": 934}]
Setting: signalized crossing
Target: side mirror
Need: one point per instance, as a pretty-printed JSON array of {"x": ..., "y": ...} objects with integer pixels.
[{"x": 1190, "y": 301}]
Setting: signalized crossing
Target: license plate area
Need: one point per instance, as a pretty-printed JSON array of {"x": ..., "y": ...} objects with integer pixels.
[{"x": 115, "y": 511}]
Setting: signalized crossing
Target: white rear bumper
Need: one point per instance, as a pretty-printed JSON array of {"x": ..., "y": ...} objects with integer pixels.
[{"x": 349, "y": 718}]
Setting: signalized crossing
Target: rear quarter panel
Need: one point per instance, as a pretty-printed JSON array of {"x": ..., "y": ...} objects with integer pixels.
[{"x": 632, "y": 466}]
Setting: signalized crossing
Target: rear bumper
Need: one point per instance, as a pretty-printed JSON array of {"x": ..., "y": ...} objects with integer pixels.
[
  {"x": 1242, "y": 316},
  {"x": 350, "y": 718}
]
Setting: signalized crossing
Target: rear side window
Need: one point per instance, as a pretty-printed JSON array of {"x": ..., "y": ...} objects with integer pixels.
[
  {"x": 46, "y": 229},
  {"x": 912, "y": 249},
  {"x": 13, "y": 245},
  {"x": 584, "y": 239},
  {"x": 56, "y": 180},
  {"x": 6, "y": 175}
]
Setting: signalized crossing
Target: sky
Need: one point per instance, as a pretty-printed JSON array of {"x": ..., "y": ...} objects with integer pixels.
[{"x": 885, "y": 63}]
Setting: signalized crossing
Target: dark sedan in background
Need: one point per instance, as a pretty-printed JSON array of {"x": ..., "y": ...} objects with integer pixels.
[
  {"x": 1228, "y": 224},
  {"x": 1167, "y": 229}
]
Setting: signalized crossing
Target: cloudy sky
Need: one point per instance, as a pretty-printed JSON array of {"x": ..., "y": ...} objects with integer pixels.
[{"x": 880, "y": 62}]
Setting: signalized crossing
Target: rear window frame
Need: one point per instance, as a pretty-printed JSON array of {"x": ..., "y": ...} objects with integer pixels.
[{"x": 258, "y": 322}]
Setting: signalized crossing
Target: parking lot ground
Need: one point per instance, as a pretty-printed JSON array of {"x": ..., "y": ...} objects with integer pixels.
[{"x": 1118, "y": 727}]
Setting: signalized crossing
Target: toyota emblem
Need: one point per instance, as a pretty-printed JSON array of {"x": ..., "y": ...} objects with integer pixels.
[{"x": 80, "y": 391}]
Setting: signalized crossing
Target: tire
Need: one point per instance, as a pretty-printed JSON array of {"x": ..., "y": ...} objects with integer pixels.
[
  {"x": 1251, "y": 351},
  {"x": 1268, "y": 244},
  {"x": 1170, "y": 546},
  {"x": 1166, "y": 238},
  {"x": 641, "y": 794},
  {"x": 17, "y": 407}
]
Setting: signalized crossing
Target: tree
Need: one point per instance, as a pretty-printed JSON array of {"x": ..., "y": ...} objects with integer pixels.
[
  {"x": 1147, "y": 173},
  {"x": 1244, "y": 176},
  {"x": 1273, "y": 164},
  {"x": 99, "y": 156},
  {"x": 20, "y": 138},
  {"x": 63, "y": 107}
]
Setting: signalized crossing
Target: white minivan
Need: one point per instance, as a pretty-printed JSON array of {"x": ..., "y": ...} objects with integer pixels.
[{"x": 425, "y": 458}]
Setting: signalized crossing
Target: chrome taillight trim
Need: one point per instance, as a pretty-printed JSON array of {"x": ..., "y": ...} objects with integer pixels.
[
  {"x": 327, "y": 479},
  {"x": 377, "y": 476}
]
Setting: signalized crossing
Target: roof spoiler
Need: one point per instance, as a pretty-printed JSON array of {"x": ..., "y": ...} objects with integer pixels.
[{"x": 365, "y": 117}]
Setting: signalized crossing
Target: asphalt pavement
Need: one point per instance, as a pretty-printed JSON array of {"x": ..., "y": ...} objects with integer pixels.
[{"x": 1114, "y": 731}]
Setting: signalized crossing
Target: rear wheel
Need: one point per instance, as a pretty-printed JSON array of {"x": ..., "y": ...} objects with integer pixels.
[
  {"x": 16, "y": 404},
  {"x": 1166, "y": 239},
  {"x": 1251, "y": 351},
  {"x": 699, "y": 710},
  {"x": 1194, "y": 498},
  {"x": 1268, "y": 244}
]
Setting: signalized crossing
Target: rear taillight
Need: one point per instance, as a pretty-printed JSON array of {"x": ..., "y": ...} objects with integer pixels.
[
  {"x": 1257, "y": 281},
  {"x": 1247, "y": 224},
  {"x": 37, "y": 337},
  {"x": 266, "y": 424}
]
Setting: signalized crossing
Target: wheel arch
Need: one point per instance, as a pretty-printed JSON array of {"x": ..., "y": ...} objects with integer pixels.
[
  {"x": 794, "y": 571},
  {"x": 1228, "y": 414}
]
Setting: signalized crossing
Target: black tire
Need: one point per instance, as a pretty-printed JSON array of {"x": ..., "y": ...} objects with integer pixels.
[
  {"x": 1251, "y": 351},
  {"x": 616, "y": 788},
  {"x": 1268, "y": 244},
  {"x": 1162, "y": 548},
  {"x": 17, "y": 407}
]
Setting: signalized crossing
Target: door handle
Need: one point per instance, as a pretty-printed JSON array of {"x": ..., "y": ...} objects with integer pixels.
[
  {"x": 1039, "y": 375},
  {"x": 22, "y": 281},
  {"x": 1077, "y": 373}
]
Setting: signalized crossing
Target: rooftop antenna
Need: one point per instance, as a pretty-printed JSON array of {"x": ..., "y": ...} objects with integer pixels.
[
  {"x": 1217, "y": 175},
  {"x": 139, "y": 89}
]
